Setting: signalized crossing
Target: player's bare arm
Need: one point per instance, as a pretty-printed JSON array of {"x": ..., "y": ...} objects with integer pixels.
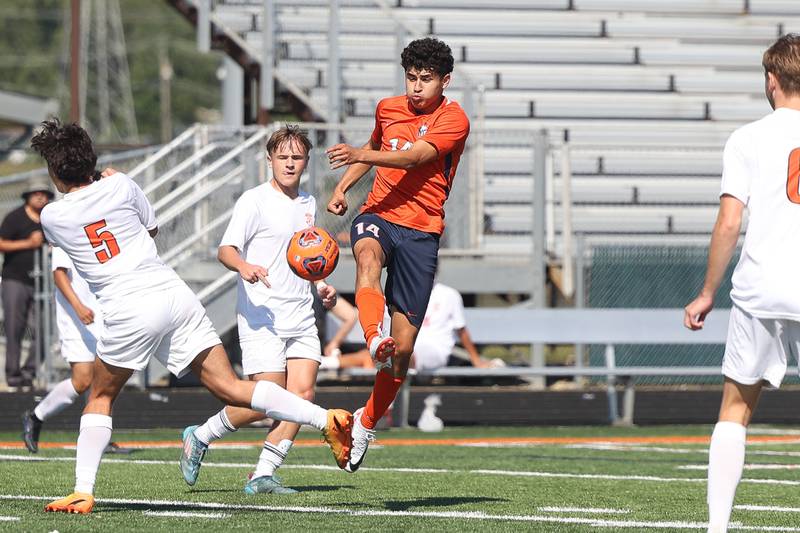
[
  {"x": 35, "y": 240},
  {"x": 420, "y": 153},
  {"x": 230, "y": 257},
  {"x": 723, "y": 243},
  {"x": 61, "y": 278},
  {"x": 338, "y": 202}
]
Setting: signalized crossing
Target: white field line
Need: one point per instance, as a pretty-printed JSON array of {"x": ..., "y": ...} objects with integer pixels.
[
  {"x": 588, "y": 510},
  {"x": 772, "y": 431},
  {"x": 9, "y": 519},
  {"x": 462, "y": 515},
  {"x": 517, "y": 473},
  {"x": 751, "y": 466},
  {"x": 185, "y": 514},
  {"x": 768, "y": 508},
  {"x": 683, "y": 451}
]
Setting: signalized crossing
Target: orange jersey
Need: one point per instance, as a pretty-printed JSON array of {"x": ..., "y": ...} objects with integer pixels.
[{"x": 415, "y": 197}]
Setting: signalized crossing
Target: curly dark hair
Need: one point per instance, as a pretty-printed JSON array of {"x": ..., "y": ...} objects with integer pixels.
[
  {"x": 68, "y": 150},
  {"x": 428, "y": 54}
]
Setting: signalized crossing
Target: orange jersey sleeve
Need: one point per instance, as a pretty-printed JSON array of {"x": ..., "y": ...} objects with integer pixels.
[{"x": 415, "y": 197}]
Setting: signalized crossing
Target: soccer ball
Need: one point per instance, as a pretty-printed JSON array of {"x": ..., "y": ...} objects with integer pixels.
[{"x": 312, "y": 253}]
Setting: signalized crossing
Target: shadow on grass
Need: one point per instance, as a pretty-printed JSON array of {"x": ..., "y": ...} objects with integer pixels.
[
  {"x": 320, "y": 488},
  {"x": 438, "y": 502}
]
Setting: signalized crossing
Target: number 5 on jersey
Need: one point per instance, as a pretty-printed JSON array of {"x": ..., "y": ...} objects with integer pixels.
[{"x": 104, "y": 240}]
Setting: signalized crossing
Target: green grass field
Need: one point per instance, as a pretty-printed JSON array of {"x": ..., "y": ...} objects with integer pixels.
[{"x": 464, "y": 479}]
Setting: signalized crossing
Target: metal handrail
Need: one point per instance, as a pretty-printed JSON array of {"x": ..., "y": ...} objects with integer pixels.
[
  {"x": 168, "y": 256},
  {"x": 182, "y": 188},
  {"x": 164, "y": 150},
  {"x": 180, "y": 167}
]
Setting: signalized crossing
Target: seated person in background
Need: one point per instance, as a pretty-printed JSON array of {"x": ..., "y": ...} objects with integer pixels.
[
  {"x": 333, "y": 358},
  {"x": 444, "y": 324}
]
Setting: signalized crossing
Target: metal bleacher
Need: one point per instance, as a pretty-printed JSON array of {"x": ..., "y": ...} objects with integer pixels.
[{"x": 647, "y": 91}]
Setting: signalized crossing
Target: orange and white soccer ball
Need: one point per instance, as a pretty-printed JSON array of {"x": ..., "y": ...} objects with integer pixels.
[{"x": 312, "y": 253}]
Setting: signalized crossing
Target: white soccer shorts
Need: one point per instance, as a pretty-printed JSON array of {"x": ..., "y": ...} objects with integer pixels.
[
  {"x": 429, "y": 355},
  {"x": 79, "y": 350},
  {"x": 268, "y": 353},
  {"x": 758, "y": 348},
  {"x": 169, "y": 324}
]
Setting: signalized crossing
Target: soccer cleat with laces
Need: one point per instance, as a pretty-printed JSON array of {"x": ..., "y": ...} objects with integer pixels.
[
  {"x": 381, "y": 349},
  {"x": 361, "y": 438},
  {"x": 266, "y": 485},
  {"x": 192, "y": 455},
  {"x": 77, "y": 503},
  {"x": 337, "y": 434},
  {"x": 31, "y": 427}
]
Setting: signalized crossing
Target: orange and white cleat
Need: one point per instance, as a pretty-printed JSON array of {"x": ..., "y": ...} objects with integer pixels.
[
  {"x": 76, "y": 503},
  {"x": 382, "y": 349},
  {"x": 338, "y": 435}
]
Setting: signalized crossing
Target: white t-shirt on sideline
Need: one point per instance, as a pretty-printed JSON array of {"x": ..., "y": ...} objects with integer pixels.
[
  {"x": 761, "y": 166},
  {"x": 263, "y": 222},
  {"x": 437, "y": 336},
  {"x": 69, "y": 325}
]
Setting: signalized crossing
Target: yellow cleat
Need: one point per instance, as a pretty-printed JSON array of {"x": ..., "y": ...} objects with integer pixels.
[
  {"x": 338, "y": 435},
  {"x": 77, "y": 503}
]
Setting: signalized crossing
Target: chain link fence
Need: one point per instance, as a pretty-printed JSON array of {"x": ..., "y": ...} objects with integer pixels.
[{"x": 653, "y": 277}]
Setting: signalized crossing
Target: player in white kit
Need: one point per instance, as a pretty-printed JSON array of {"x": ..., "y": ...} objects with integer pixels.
[
  {"x": 277, "y": 330},
  {"x": 79, "y": 322},
  {"x": 106, "y": 227},
  {"x": 761, "y": 172}
]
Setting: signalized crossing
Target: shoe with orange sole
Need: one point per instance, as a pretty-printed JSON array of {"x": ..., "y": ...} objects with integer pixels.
[
  {"x": 77, "y": 503},
  {"x": 338, "y": 435}
]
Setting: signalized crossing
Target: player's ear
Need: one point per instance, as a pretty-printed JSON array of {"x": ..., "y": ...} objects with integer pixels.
[
  {"x": 445, "y": 81},
  {"x": 772, "y": 82}
]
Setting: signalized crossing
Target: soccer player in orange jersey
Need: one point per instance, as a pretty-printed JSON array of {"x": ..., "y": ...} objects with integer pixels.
[{"x": 416, "y": 145}]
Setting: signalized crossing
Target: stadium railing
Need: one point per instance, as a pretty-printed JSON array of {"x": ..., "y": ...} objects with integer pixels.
[{"x": 607, "y": 327}]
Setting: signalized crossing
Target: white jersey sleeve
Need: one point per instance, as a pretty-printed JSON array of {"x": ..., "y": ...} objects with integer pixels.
[
  {"x": 143, "y": 206},
  {"x": 737, "y": 171},
  {"x": 457, "y": 308},
  {"x": 243, "y": 224},
  {"x": 60, "y": 259}
]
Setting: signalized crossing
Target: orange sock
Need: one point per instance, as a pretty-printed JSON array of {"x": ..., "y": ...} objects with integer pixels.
[
  {"x": 371, "y": 305},
  {"x": 383, "y": 394}
]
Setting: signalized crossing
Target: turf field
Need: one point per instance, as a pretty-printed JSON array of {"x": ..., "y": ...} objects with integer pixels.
[{"x": 463, "y": 479}]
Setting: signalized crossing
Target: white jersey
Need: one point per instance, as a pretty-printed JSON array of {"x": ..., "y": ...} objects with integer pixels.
[
  {"x": 69, "y": 325},
  {"x": 263, "y": 222},
  {"x": 761, "y": 168},
  {"x": 444, "y": 317},
  {"x": 103, "y": 228}
]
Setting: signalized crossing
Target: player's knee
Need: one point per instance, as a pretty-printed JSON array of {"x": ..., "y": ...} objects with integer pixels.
[
  {"x": 81, "y": 382},
  {"x": 306, "y": 393},
  {"x": 405, "y": 347}
]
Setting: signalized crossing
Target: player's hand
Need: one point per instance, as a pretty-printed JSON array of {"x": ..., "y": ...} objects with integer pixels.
[
  {"x": 328, "y": 295},
  {"x": 341, "y": 155},
  {"x": 695, "y": 313},
  {"x": 108, "y": 172},
  {"x": 253, "y": 273},
  {"x": 331, "y": 348},
  {"x": 85, "y": 314},
  {"x": 36, "y": 239},
  {"x": 338, "y": 203}
]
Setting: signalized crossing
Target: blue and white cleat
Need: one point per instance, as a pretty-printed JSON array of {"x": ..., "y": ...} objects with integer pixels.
[
  {"x": 266, "y": 485},
  {"x": 192, "y": 455}
]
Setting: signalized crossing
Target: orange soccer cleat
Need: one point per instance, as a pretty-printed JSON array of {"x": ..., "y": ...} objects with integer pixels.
[
  {"x": 77, "y": 503},
  {"x": 338, "y": 435}
]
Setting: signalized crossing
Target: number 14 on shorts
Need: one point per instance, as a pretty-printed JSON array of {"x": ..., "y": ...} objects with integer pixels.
[{"x": 372, "y": 228}]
